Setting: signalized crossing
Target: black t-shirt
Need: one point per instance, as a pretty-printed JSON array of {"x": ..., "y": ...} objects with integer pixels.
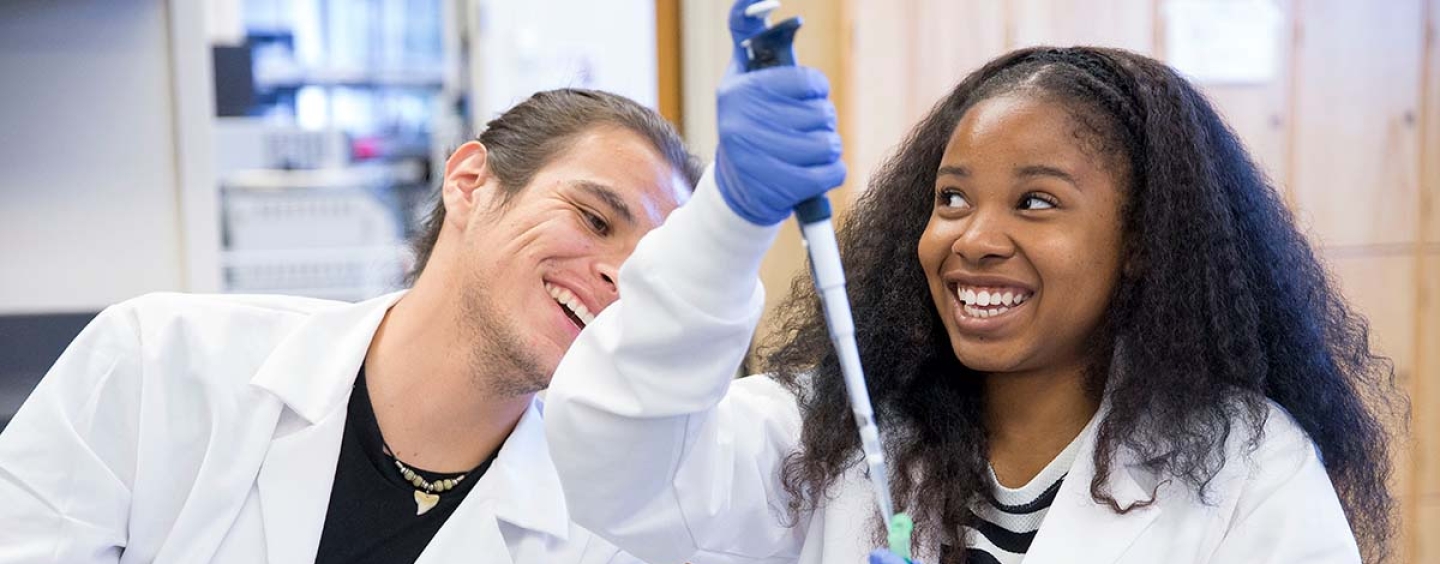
[{"x": 372, "y": 508}]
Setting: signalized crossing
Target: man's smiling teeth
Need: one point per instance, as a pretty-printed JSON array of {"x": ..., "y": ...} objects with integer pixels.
[
  {"x": 571, "y": 303},
  {"x": 989, "y": 302}
]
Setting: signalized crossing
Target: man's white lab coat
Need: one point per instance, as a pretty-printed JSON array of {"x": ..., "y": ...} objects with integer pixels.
[{"x": 188, "y": 429}]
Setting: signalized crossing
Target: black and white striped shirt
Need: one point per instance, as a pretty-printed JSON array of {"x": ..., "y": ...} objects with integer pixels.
[{"x": 1008, "y": 523}]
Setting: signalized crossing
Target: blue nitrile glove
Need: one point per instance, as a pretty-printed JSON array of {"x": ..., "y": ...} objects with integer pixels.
[
  {"x": 882, "y": 556},
  {"x": 778, "y": 141}
]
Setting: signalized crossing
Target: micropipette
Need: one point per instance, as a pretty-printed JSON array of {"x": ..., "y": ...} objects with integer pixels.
[{"x": 775, "y": 47}]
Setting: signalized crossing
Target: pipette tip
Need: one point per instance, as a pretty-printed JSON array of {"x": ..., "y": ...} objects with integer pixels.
[{"x": 900, "y": 528}]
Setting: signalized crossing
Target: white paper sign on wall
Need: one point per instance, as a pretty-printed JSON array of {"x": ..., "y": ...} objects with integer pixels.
[{"x": 1224, "y": 41}]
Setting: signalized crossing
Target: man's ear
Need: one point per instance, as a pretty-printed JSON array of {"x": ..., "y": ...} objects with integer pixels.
[{"x": 469, "y": 183}]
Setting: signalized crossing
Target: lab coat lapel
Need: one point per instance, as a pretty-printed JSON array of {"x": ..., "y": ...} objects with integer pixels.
[
  {"x": 523, "y": 480},
  {"x": 294, "y": 486},
  {"x": 312, "y": 372},
  {"x": 1079, "y": 529},
  {"x": 521, "y": 488},
  {"x": 471, "y": 534}
]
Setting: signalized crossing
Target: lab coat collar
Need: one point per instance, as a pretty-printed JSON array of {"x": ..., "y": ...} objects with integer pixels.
[
  {"x": 470, "y": 534},
  {"x": 314, "y": 368},
  {"x": 313, "y": 372},
  {"x": 523, "y": 480},
  {"x": 521, "y": 488},
  {"x": 1075, "y": 519}
]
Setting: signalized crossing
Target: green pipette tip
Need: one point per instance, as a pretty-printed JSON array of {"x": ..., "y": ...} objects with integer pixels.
[{"x": 900, "y": 528}]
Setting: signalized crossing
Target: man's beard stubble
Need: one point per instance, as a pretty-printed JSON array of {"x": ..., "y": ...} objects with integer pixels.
[{"x": 499, "y": 360}]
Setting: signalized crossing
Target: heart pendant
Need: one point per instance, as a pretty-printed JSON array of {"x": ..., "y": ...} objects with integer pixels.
[{"x": 425, "y": 502}]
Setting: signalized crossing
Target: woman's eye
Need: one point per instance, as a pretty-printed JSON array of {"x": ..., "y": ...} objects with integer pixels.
[
  {"x": 1038, "y": 202},
  {"x": 596, "y": 222},
  {"x": 952, "y": 199}
]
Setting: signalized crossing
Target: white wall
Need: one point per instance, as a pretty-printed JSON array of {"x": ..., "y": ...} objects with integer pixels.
[
  {"x": 521, "y": 47},
  {"x": 705, "y": 48},
  {"x": 89, "y": 197}
]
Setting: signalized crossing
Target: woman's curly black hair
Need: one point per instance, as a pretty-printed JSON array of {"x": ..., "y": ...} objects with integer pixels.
[{"x": 1222, "y": 305}]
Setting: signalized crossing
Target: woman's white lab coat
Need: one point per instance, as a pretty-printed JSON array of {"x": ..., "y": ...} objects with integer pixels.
[
  {"x": 697, "y": 480},
  {"x": 188, "y": 429}
]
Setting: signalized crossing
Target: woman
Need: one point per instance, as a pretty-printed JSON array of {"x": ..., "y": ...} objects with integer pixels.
[{"x": 1091, "y": 329}]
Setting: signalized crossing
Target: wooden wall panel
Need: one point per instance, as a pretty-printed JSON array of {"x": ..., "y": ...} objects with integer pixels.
[
  {"x": 1260, "y": 113},
  {"x": 1355, "y": 170},
  {"x": 952, "y": 38},
  {"x": 1383, "y": 289},
  {"x": 903, "y": 65},
  {"x": 1425, "y": 516},
  {"x": 1430, "y": 151},
  {"x": 884, "y": 100},
  {"x": 1127, "y": 24},
  {"x": 1426, "y": 545},
  {"x": 1401, "y": 481},
  {"x": 1425, "y": 401}
]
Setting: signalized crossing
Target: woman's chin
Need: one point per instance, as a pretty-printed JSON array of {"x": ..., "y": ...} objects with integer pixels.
[{"x": 989, "y": 359}]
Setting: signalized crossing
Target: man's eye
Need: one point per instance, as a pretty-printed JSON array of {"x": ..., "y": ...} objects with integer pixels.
[{"x": 596, "y": 222}]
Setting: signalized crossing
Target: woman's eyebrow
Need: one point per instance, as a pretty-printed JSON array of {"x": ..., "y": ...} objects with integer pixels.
[
  {"x": 1029, "y": 171},
  {"x": 959, "y": 171}
]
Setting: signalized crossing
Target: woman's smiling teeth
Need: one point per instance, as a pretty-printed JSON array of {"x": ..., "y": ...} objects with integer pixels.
[
  {"x": 571, "y": 303},
  {"x": 984, "y": 303}
]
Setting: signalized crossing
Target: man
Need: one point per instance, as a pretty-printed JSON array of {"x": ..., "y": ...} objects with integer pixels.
[{"x": 187, "y": 429}]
